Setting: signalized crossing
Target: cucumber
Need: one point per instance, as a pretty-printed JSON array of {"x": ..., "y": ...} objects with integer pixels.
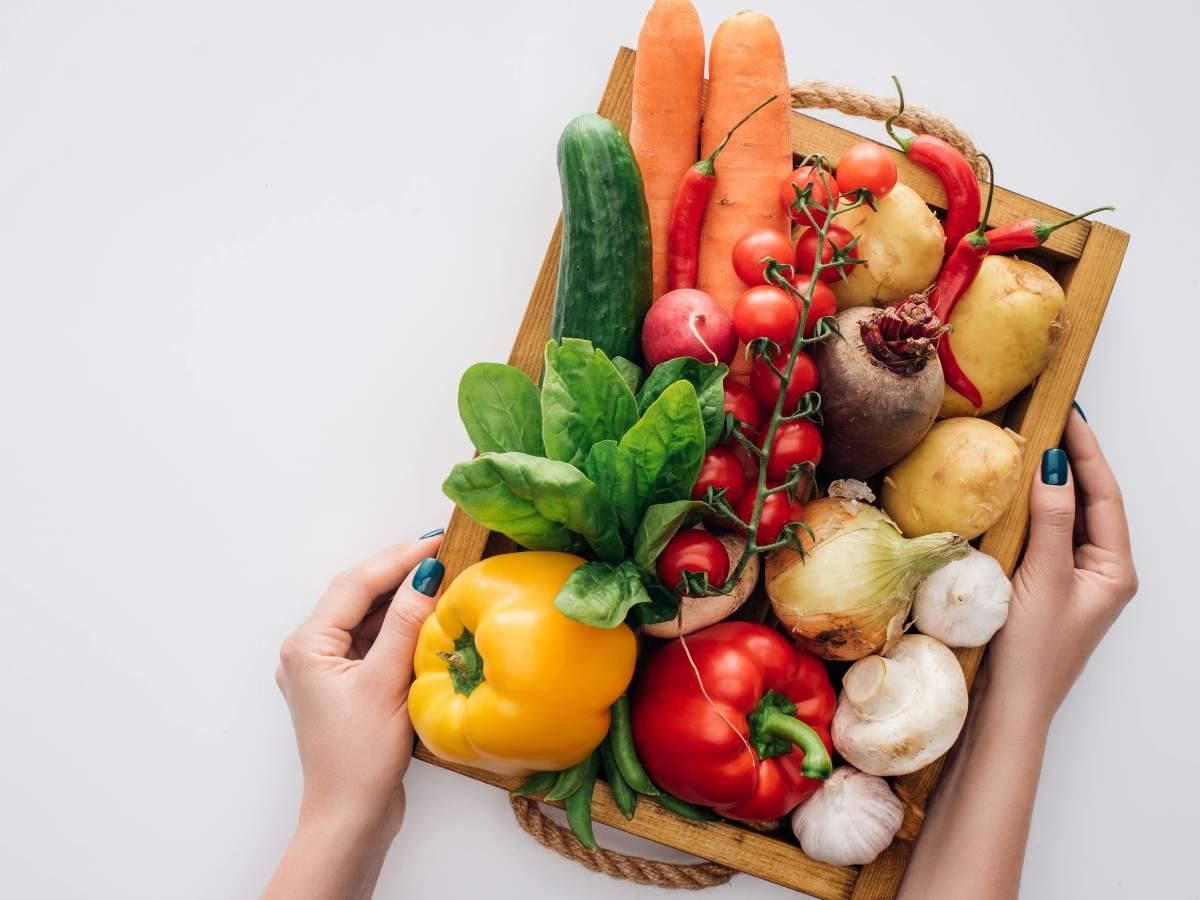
[{"x": 604, "y": 267}]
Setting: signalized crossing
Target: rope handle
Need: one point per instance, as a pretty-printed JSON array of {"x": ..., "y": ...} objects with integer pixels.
[{"x": 696, "y": 876}]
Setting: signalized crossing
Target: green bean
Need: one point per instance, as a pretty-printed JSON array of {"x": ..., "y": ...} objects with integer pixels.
[
  {"x": 568, "y": 781},
  {"x": 685, "y": 809},
  {"x": 625, "y": 797},
  {"x": 579, "y": 804},
  {"x": 536, "y": 783},
  {"x": 621, "y": 735}
]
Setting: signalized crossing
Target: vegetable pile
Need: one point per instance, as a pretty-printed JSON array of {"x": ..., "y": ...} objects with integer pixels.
[{"x": 744, "y": 352}]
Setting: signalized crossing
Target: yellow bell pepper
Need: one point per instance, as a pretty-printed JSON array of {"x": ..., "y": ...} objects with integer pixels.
[{"x": 506, "y": 682}]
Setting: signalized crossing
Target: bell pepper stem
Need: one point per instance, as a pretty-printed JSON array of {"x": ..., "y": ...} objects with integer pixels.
[{"x": 778, "y": 724}]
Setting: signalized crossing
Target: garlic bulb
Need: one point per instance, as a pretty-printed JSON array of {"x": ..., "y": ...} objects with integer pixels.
[
  {"x": 902, "y": 710},
  {"x": 965, "y": 603},
  {"x": 851, "y": 592},
  {"x": 850, "y": 820}
]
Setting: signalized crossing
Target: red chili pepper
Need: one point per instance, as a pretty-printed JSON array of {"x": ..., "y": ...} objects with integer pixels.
[
  {"x": 956, "y": 276},
  {"x": 745, "y": 731},
  {"x": 1029, "y": 233},
  {"x": 687, "y": 215},
  {"x": 952, "y": 169}
]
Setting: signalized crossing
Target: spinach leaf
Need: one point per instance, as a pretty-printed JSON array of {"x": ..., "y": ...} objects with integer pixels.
[
  {"x": 500, "y": 408},
  {"x": 542, "y": 504},
  {"x": 584, "y": 400},
  {"x": 661, "y": 523},
  {"x": 601, "y": 594},
  {"x": 611, "y": 469},
  {"x": 709, "y": 382},
  {"x": 630, "y": 371},
  {"x": 663, "y": 607},
  {"x": 667, "y": 445}
]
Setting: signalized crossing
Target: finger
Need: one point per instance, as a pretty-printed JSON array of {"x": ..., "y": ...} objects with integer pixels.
[
  {"x": 1103, "y": 510},
  {"x": 391, "y": 656},
  {"x": 351, "y": 595},
  {"x": 1052, "y": 518}
]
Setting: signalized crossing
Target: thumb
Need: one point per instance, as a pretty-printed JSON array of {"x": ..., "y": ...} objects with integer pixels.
[
  {"x": 1052, "y": 517},
  {"x": 392, "y": 653}
]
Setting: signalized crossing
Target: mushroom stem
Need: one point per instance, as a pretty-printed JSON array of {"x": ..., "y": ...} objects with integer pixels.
[{"x": 877, "y": 687}]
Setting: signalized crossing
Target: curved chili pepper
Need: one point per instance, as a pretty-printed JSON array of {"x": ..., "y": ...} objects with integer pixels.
[
  {"x": 953, "y": 171},
  {"x": 687, "y": 215},
  {"x": 956, "y": 276},
  {"x": 1026, "y": 234}
]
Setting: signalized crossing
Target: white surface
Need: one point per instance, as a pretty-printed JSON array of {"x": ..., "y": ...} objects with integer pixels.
[{"x": 246, "y": 250}]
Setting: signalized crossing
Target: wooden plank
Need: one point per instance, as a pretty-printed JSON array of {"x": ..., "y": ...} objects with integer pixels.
[
  {"x": 811, "y": 135},
  {"x": 740, "y": 848}
]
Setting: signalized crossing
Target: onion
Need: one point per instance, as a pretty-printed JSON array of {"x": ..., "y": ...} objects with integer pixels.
[{"x": 850, "y": 592}]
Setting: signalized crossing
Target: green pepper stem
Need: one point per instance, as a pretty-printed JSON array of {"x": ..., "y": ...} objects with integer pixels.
[
  {"x": 904, "y": 143},
  {"x": 777, "y": 724},
  {"x": 708, "y": 166},
  {"x": 1042, "y": 231}
]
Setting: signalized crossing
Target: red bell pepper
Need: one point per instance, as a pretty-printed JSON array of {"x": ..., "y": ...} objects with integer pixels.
[{"x": 762, "y": 693}]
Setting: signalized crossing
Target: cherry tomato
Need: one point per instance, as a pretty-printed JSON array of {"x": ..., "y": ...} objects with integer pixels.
[
  {"x": 777, "y": 511},
  {"x": 749, "y": 463},
  {"x": 720, "y": 469},
  {"x": 765, "y": 383},
  {"x": 695, "y": 551},
  {"x": 740, "y": 401},
  {"x": 823, "y": 302},
  {"x": 795, "y": 443},
  {"x": 819, "y": 198},
  {"x": 766, "y": 311},
  {"x": 867, "y": 165},
  {"x": 806, "y": 251},
  {"x": 755, "y": 246}
]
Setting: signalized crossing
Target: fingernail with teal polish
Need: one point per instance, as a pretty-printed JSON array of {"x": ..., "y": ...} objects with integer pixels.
[
  {"x": 1079, "y": 409},
  {"x": 428, "y": 577},
  {"x": 1054, "y": 467},
  {"x": 430, "y": 534}
]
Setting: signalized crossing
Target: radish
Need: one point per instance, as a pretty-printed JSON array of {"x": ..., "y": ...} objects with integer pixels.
[{"x": 688, "y": 322}]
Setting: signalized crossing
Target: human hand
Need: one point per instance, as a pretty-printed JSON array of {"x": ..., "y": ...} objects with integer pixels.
[
  {"x": 1076, "y": 577},
  {"x": 345, "y": 675}
]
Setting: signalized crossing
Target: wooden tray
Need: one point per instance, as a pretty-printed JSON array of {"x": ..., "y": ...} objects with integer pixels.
[{"x": 1085, "y": 257}]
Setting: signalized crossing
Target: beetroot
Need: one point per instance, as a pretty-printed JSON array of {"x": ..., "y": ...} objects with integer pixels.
[{"x": 688, "y": 322}]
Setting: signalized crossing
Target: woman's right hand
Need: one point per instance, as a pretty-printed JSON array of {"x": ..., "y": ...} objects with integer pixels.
[{"x": 1076, "y": 577}]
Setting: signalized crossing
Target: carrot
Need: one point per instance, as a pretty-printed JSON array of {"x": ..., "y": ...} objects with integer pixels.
[
  {"x": 746, "y": 64},
  {"x": 668, "y": 80}
]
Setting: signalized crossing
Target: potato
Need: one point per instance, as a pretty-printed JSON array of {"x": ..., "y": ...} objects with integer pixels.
[
  {"x": 960, "y": 478},
  {"x": 1006, "y": 328},
  {"x": 901, "y": 246}
]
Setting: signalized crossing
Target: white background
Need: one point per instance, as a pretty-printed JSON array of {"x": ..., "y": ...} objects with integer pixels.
[{"x": 247, "y": 248}]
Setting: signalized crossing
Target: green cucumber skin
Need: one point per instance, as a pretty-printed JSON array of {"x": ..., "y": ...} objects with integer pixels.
[{"x": 604, "y": 268}]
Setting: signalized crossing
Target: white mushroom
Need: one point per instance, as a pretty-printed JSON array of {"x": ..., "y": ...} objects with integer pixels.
[
  {"x": 900, "y": 711},
  {"x": 965, "y": 603},
  {"x": 700, "y": 612},
  {"x": 850, "y": 820}
]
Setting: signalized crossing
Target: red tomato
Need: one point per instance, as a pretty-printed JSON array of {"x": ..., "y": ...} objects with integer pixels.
[
  {"x": 777, "y": 511},
  {"x": 749, "y": 463},
  {"x": 795, "y": 443},
  {"x": 766, "y": 311},
  {"x": 806, "y": 251},
  {"x": 819, "y": 197},
  {"x": 867, "y": 165},
  {"x": 720, "y": 469},
  {"x": 765, "y": 383},
  {"x": 823, "y": 302},
  {"x": 695, "y": 551},
  {"x": 740, "y": 401},
  {"x": 755, "y": 246}
]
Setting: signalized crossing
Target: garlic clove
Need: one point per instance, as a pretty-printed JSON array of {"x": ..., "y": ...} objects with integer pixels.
[
  {"x": 850, "y": 820},
  {"x": 964, "y": 603}
]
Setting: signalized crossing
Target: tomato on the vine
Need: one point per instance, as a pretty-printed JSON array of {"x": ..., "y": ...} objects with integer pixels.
[
  {"x": 766, "y": 311},
  {"x": 740, "y": 401},
  {"x": 749, "y": 463},
  {"x": 765, "y": 383},
  {"x": 822, "y": 303},
  {"x": 824, "y": 187},
  {"x": 720, "y": 469},
  {"x": 754, "y": 247},
  {"x": 777, "y": 511},
  {"x": 806, "y": 251},
  {"x": 867, "y": 165},
  {"x": 694, "y": 551},
  {"x": 795, "y": 443}
]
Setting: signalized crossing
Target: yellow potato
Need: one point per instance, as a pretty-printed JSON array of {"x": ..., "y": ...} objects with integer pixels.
[
  {"x": 961, "y": 478},
  {"x": 1006, "y": 328},
  {"x": 901, "y": 247}
]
